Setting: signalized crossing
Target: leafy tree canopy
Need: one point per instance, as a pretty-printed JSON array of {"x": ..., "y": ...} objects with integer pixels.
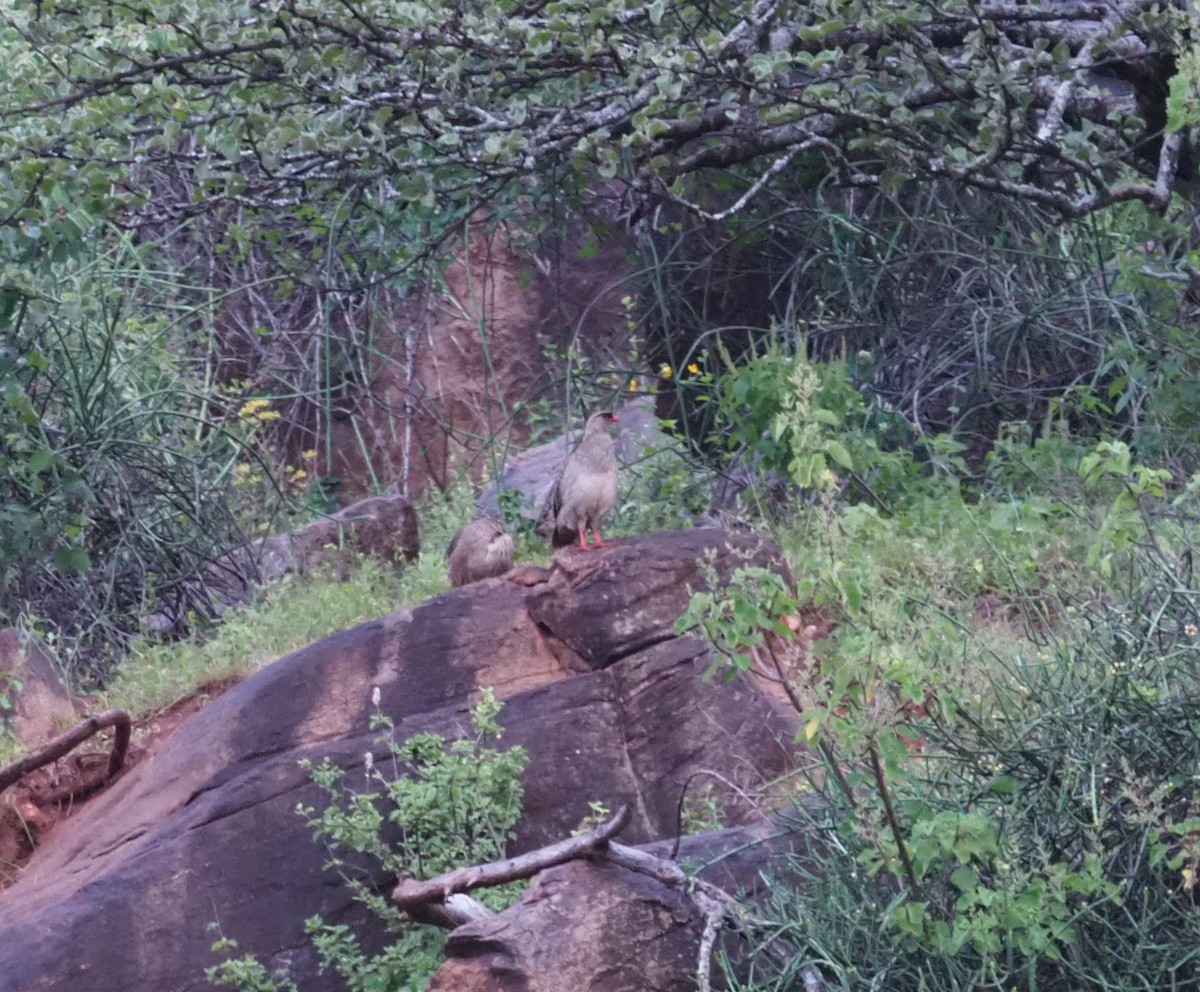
[{"x": 407, "y": 116}]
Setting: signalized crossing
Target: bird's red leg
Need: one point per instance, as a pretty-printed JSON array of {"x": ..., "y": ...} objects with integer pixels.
[
  {"x": 582, "y": 540},
  {"x": 596, "y": 535}
]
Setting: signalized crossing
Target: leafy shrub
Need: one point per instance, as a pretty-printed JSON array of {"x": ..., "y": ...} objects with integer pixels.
[
  {"x": 117, "y": 476},
  {"x": 1011, "y": 808},
  {"x": 434, "y": 808}
]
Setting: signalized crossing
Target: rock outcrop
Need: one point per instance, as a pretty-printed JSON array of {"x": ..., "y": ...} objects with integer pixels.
[
  {"x": 39, "y": 705},
  {"x": 609, "y": 703},
  {"x": 380, "y": 527}
]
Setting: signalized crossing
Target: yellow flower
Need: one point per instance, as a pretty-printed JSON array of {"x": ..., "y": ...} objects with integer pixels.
[
  {"x": 694, "y": 368},
  {"x": 251, "y": 408},
  {"x": 666, "y": 371},
  {"x": 269, "y": 415},
  {"x": 310, "y": 453},
  {"x": 633, "y": 385}
]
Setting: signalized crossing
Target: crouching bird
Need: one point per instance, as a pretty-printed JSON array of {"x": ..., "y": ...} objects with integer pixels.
[
  {"x": 482, "y": 548},
  {"x": 586, "y": 490}
]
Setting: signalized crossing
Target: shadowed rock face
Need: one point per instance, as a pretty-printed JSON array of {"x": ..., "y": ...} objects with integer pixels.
[{"x": 608, "y": 702}]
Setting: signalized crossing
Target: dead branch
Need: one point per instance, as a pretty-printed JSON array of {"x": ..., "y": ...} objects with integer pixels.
[
  {"x": 411, "y": 894},
  {"x": 67, "y": 742},
  {"x": 456, "y": 911},
  {"x": 436, "y": 900}
]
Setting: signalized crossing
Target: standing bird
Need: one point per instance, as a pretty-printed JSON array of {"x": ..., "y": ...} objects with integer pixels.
[
  {"x": 483, "y": 548},
  {"x": 586, "y": 490}
]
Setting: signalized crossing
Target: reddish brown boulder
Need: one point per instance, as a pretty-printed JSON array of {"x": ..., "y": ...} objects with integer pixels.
[
  {"x": 609, "y": 703},
  {"x": 379, "y": 527},
  {"x": 38, "y": 705}
]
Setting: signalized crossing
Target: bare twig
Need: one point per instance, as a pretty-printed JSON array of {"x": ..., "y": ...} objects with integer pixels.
[{"x": 894, "y": 822}]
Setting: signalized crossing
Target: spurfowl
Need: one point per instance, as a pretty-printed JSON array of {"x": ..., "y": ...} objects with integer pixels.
[
  {"x": 586, "y": 490},
  {"x": 483, "y": 548}
]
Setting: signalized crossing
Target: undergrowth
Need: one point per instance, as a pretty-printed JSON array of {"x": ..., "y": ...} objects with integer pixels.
[
  {"x": 1004, "y": 707},
  {"x": 288, "y": 615}
]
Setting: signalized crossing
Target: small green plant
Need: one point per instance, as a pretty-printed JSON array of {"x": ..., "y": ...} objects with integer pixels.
[
  {"x": 245, "y": 973},
  {"x": 428, "y": 807},
  {"x": 701, "y": 810},
  {"x": 1127, "y": 516}
]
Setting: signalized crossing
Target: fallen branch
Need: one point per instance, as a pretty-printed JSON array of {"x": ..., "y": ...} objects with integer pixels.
[
  {"x": 433, "y": 901},
  {"x": 67, "y": 742},
  {"x": 411, "y": 894},
  {"x": 458, "y": 910}
]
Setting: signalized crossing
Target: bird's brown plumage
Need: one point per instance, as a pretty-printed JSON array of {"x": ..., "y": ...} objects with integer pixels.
[
  {"x": 482, "y": 548},
  {"x": 586, "y": 490}
]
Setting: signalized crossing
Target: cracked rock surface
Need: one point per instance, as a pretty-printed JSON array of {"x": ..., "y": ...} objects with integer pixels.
[{"x": 607, "y": 700}]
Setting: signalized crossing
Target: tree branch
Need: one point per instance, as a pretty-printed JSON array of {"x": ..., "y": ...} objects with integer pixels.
[
  {"x": 67, "y": 742},
  {"x": 412, "y": 893}
]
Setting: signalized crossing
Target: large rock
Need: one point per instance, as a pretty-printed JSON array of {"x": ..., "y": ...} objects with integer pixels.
[
  {"x": 39, "y": 704},
  {"x": 609, "y": 703},
  {"x": 381, "y": 527}
]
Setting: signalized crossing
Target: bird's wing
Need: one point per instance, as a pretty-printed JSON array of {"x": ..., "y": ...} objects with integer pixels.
[{"x": 551, "y": 506}]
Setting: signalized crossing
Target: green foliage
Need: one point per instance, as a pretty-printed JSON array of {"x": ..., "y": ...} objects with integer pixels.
[
  {"x": 1005, "y": 712},
  {"x": 116, "y": 475},
  {"x": 737, "y": 618},
  {"x": 780, "y": 406},
  {"x": 245, "y": 973},
  {"x": 457, "y": 806},
  {"x": 702, "y": 810},
  {"x": 664, "y": 489},
  {"x": 352, "y": 117},
  {"x": 427, "y": 808}
]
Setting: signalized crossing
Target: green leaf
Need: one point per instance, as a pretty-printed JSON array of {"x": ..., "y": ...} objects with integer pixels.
[
  {"x": 72, "y": 559},
  {"x": 40, "y": 460},
  {"x": 852, "y": 594},
  {"x": 837, "y": 451}
]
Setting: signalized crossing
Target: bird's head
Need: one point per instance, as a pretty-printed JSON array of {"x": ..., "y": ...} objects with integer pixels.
[{"x": 600, "y": 421}]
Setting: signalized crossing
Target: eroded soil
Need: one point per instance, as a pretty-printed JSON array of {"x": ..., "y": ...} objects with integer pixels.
[{"x": 30, "y": 809}]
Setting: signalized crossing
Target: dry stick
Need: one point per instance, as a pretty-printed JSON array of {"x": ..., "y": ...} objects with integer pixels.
[
  {"x": 823, "y": 746},
  {"x": 893, "y": 822},
  {"x": 410, "y": 893},
  {"x": 415, "y": 898},
  {"x": 715, "y": 903},
  {"x": 64, "y": 743}
]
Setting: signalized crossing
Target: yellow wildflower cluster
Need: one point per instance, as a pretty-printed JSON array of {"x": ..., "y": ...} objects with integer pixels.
[
  {"x": 297, "y": 474},
  {"x": 243, "y": 475},
  {"x": 258, "y": 409},
  {"x": 666, "y": 371}
]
